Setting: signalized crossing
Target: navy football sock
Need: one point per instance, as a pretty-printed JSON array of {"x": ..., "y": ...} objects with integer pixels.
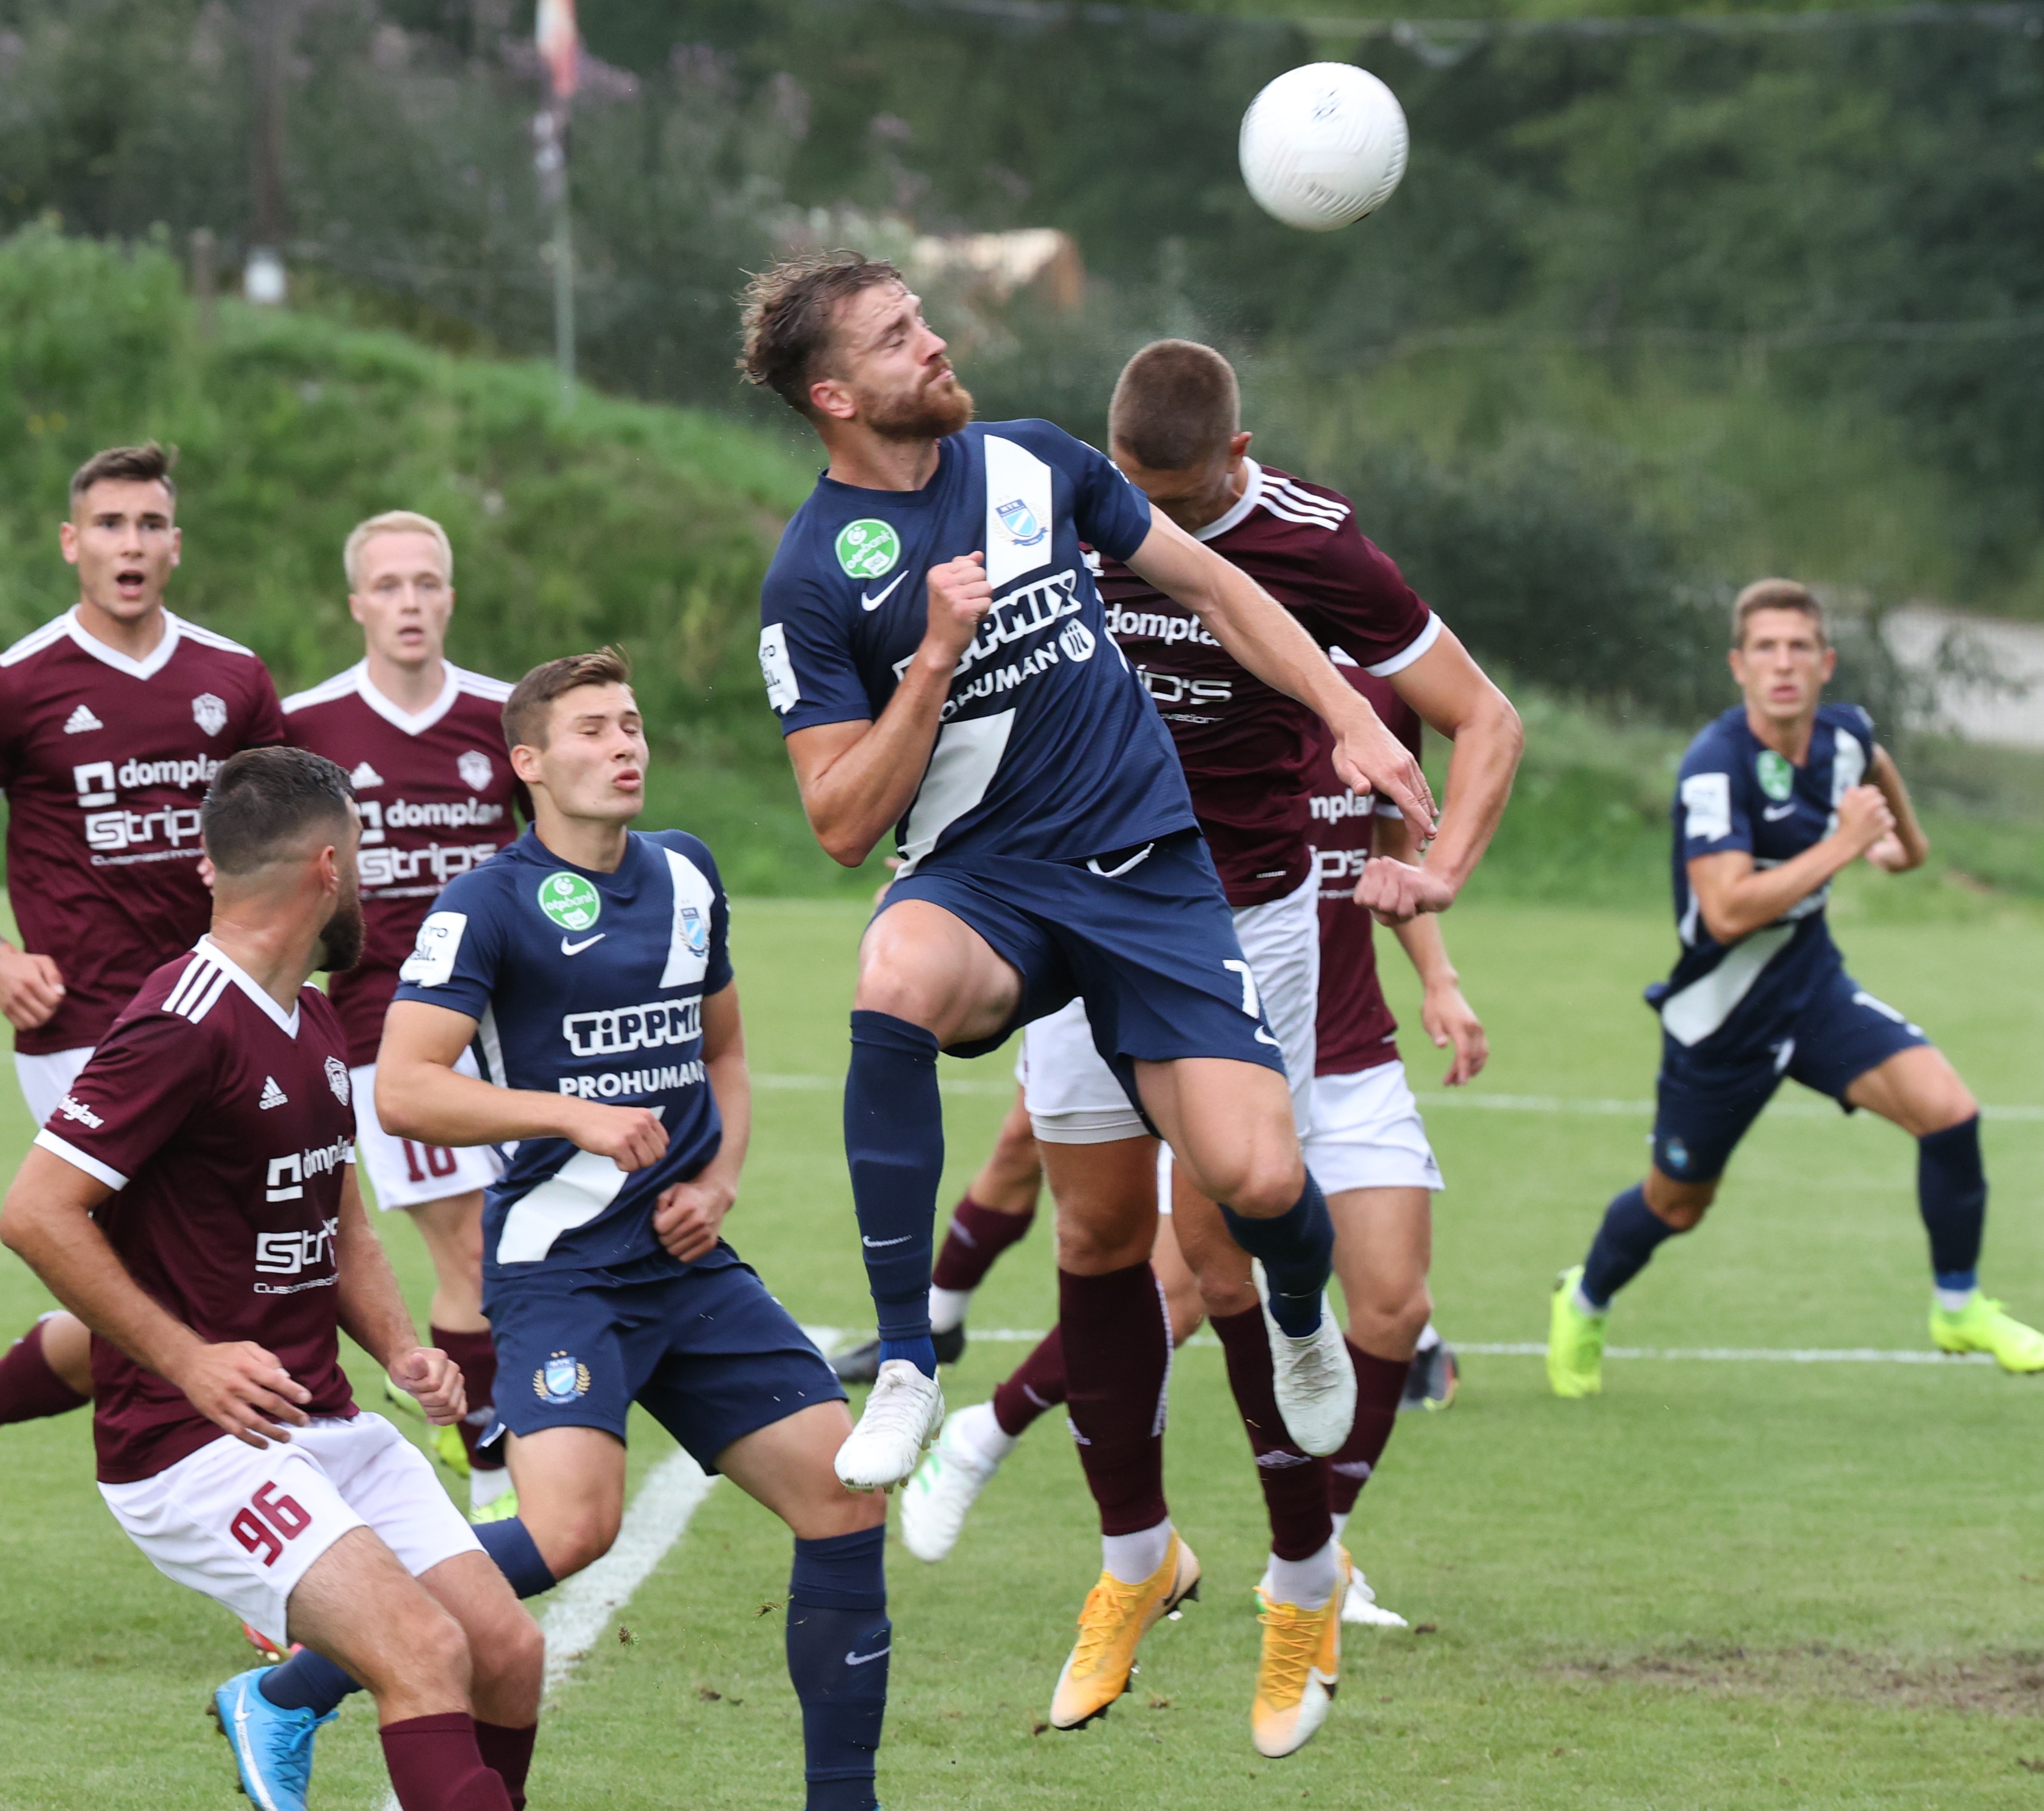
[
  {"x": 894, "y": 1146},
  {"x": 1951, "y": 1194},
  {"x": 839, "y": 1637},
  {"x": 1296, "y": 1250},
  {"x": 1630, "y": 1234},
  {"x": 510, "y": 1544},
  {"x": 306, "y": 1682}
]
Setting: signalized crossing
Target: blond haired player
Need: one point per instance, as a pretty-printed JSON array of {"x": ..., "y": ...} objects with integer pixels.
[{"x": 422, "y": 741}]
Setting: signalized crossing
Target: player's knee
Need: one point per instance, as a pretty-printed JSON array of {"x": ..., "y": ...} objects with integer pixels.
[
  {"x": 427, "y": 1651},
  {"x": 1682, "y": 1205},
  {"x": 512, "y": 1652},
  {"x": 578, "y": 1539},
  {"x": 1264, "y": 1184}
]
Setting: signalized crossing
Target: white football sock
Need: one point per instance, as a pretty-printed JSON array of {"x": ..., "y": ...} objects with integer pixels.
[
  {"x": 1307, "y": 1583},
  {"x": 979, "y": 1430},
  {"x": 947, "y": 1308},
  {"x": 1954, "y": 1301},
  {"x": 1340, "y": 1522},
  {"x": 1430, "y": 1337},
  {"x": 1588, "y": 1307},
  {"x": 486, "y": 1487},
  {"x": 1132, "y": 1558}
]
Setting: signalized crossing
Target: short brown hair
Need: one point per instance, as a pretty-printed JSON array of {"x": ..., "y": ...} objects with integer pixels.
[
  {"x": 1775, "y": 594},
  {"x": 788, "y": 313},
  {"x": 263, "y": 800},
  {"x": 1175, "y": 404},
  {"x": 525, "y": 710},
  {"x": 148, "y": 463}
]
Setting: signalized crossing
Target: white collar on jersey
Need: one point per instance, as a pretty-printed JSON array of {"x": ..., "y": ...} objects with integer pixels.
[
  {"x": 1237, "y": 511},
  {"x": 206, "y": 949},
  {"x": 395, "y": 715},
  {"x": 147, "y": 668}
]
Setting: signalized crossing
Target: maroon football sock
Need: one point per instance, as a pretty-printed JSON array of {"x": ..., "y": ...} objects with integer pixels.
[
  {"x": 1379, "y": 1385},
  {"x": 476, "y": 1355},
  {"x": 1035, "y": 1387},
  {"x": 435, "y": 1766},
  {"x": 977, "y": 1236},
  {"x": 509, "y": 1752},
  {"x": 29, "y": 1388},
  {"x": 1295, "y": 1484},
  {"x": 1117, "y": 1342}
]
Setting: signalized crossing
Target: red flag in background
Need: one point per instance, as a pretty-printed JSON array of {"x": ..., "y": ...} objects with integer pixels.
[{"x": 559, "y": 44}]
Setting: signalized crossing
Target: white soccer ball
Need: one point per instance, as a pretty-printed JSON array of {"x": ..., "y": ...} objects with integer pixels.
[{"x": 1322, "y": 145}]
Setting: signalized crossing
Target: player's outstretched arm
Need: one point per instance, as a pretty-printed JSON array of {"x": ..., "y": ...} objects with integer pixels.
[
  {"x": 420, "y": 1095},
  {"x": 1736, "y": 898},
  {"x": 47, "y": 1221},
  {"x": 372, "y": 1311},
  {"x": 689, "y": 1217},
  {"x": 1448, "y": 1018},
  {"x": 1906, "y": 845},
  {"x": 1454, "y": 695},
  {"x": 1261, "y": 634},
  {"x": 857, "y": 778},
  {"x": 31, "y": 987}
]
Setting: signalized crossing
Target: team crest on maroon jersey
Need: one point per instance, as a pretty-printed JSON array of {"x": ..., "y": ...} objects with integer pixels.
[
  {"x": 475, "y": 769},
  {"x": 209, "y": 712},
  {"x": 336, "y": 1078}
]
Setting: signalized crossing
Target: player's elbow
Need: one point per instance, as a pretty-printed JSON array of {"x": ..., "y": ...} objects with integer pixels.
[
  {"x": 1725, "y": 926},
  {"x": 401, "y": 1107}
]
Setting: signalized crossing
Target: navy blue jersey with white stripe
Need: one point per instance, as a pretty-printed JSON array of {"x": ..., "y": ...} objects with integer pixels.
[
  {"x": 587, "y": 983},
  {"x": 1049, "y": 747},
  {"x": 1736, "y": 793}
]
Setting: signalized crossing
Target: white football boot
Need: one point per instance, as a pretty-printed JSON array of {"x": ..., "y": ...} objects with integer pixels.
[
  {"x": 1359, "y": 1603},
  {"x": 1315, "y": 1382},
  {"x": 935, "y": 1502},
  {"x": 902, "y": 1416}
]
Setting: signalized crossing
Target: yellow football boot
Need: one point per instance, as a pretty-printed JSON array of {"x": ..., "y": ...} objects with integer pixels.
[
  {"x": 1115, "y": 1618},
  {"x": 1299, "y": 1670},
  {"x": 1981, "y": 1326}
]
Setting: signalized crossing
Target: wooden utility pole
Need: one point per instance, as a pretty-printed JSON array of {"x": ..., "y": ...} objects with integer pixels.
[
  {"x": 269, "y": 24},
  {"x": 559, "y": 43}
]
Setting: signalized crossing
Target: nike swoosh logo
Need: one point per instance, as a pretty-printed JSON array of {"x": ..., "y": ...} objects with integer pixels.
[
  {"x": 881, "y": 1244},
  {"x": 1263, "y": 1036},
  {"x": 874, "y": 603},
  {"x": 1774, "y": 814},
  {"x": 861, "y": 1659},
  {"x": 568, "y": 948}
]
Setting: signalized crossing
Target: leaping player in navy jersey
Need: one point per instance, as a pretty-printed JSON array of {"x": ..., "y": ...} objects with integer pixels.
[
  {"x": 423, "y": 743},
  {"x": 1774, "y": 798},
  {"x": 587, "y": 967},
  {"x": 114, "y": 719}
]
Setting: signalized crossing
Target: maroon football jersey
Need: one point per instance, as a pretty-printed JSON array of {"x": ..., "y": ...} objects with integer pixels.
[
  {"x": 1245, "y": 746},
  {"x": 223, "y": 1124},
  {"x": 436, "y": 792},
  {"x": 1354, "y": 1028},
  {"x": 104, "y": 761}
]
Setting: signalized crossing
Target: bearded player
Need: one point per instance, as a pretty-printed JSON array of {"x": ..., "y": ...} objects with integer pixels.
[
  {"x": 588, "y": 967},
  {"x": 1248, "y": 754},
  {"x": 114, "y": 719},
  {"x": 1774, "y": 798},
  {"x": 423, "y": 744},
  {"x": 193, "y": 1200}
]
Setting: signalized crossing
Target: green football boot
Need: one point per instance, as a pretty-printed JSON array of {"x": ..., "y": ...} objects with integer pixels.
[
  {"x": 1575, "y": 1341},
  {"x": 1981, "y": 1327}
]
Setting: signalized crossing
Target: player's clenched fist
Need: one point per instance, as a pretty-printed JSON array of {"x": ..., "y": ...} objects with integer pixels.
[
  {"x": 959, "y": 596},
  {"x": 428, "y": 1374},
  {"x": 31, "y": 988},
  {"x": 1864, "y": 817},
  {"x": 1397, "y": 892},
  {"x": 630, "y": 1137},
  {"x": 689, "y": 1217},
  {"x": 241, "y": 1387}
]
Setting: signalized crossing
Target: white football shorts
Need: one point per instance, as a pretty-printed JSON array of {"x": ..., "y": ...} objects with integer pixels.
[
  {"x": 243, "y": 1526},
  {"x": 1073, "y": 1096},
  {"x": 45, "y": 1080},
  {"x": 405, "y": 1173},
  {"x": 1367, "y": 1133}
]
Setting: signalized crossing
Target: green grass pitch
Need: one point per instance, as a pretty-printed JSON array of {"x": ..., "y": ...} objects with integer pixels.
[{"x": 1729, "y": 1585}]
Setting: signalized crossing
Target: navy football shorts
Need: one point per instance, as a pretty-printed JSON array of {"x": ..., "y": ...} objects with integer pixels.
[
  {"x": 711, "y": 1355},
  {"x": 1144, "y": 936},
  {"x": 1705, "y": 1104}
]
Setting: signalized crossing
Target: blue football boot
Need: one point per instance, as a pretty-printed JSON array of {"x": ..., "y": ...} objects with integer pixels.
[{"x": 273, "y": 1748}]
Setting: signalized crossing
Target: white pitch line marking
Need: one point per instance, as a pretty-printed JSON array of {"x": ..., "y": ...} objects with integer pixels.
[
  {"x": 1793, "y": 1108},
  {"x": 581, "y": 1608}
]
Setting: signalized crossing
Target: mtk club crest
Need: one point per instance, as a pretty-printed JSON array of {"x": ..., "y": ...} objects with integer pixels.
[
  {"x": 695, "y": 933},
  {"x": 562, "y": 1378},
  {"x": 209, "y": 712},
  {"x": 474, "y": 768},
  {"x": 1020, "y": 522},
  {"x": 336, "y": 1078}
]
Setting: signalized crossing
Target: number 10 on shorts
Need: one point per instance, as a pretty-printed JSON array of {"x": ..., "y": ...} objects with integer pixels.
[{"x": 267, "y": 1522}]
